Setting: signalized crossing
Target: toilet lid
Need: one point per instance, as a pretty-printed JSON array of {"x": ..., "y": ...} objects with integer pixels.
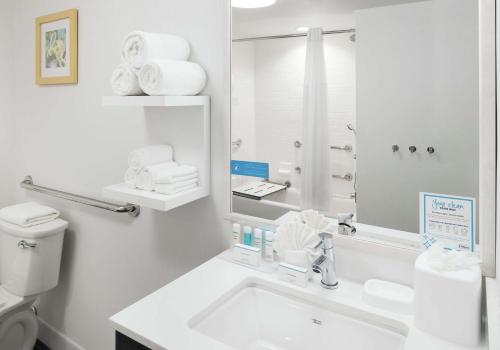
[{"x": 38, "y": 231}]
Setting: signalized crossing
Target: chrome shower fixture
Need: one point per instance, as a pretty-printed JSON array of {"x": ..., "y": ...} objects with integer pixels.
[{"x": 350, "y": 127}]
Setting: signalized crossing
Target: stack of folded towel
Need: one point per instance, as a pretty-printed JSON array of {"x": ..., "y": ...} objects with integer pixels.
[
  {"x": 28, "y": 214},
  {"x": 156, "y": 64},
  {"x": 153, "y": 168}
]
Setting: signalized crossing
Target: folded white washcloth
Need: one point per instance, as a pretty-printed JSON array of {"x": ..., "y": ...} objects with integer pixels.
[
  {"x": 139, "y": 47},
  {"x": 131, "y": 177},
  {"x": 168, "y": 77},
  {"x": 28, "y": 214},
  {"x": 180, "y": 173},
  {"x": 124, "y": 81},
  {"x": 150, "y": 155},
  {"x": 150, "y": 175},
  {"x": 176, "y": 188}
]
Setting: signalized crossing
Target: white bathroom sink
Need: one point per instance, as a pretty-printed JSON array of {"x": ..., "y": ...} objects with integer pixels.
[{"x": 258, "y": 315}]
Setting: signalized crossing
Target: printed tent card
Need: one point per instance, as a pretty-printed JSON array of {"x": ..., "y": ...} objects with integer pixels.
[{"x": 447, "y": 219}]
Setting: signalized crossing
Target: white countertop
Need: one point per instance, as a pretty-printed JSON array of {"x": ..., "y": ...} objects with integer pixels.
[{"x": 160, "y": 320}]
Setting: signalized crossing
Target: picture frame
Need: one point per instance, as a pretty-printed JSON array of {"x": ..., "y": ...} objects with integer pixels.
[{"x": 57, "y": 48}]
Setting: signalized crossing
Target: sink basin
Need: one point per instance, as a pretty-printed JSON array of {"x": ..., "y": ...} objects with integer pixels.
[{"x": 258, "y": 315}]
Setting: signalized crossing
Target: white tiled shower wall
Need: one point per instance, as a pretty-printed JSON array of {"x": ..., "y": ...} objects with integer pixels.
[{"x": 267, "y": 106}]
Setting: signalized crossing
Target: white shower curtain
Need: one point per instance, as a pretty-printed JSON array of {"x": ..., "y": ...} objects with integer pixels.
[{"x": 315, "y": 175}]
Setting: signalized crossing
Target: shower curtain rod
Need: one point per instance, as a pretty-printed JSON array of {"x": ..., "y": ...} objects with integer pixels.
[{"x": 326, "y": 32}]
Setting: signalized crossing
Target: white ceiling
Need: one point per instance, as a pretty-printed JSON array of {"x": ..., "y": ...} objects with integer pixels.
[
  {"x": 289, "y": 8},
  {"x": 286, "y": 15}
]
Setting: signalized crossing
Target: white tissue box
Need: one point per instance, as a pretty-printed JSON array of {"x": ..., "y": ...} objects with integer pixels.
[{"x": 448, "y": 304}]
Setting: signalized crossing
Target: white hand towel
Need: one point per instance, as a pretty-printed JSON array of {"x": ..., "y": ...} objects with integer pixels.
[
  {"x": 131, "y": 177},
  {"x": 139, "y": 47},
  {"x": 175, "y": 188},
  {"x": 124, "y": 81},
  {"x": 167, "y": 77},
  {"x": 149, "y": 176},
  {"x": 150, "y": 155},
  {"x": 180, "y": 173},
  {"x": 28, "y": 214}
]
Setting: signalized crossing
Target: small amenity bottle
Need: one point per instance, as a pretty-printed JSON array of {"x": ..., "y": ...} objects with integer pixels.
[
  {"x": 257, "y": 238},
  {"x": 247, "y": 235},
  {"x": 268, "y": 246},
  {"x": 236, "y": 233}
]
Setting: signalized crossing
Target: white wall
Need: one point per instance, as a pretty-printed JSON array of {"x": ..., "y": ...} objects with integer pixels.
[
  {"x": 417, "y": 84},
  {"x": 7, "y": 57},
  {"x": 243, "y": 100},
  {"x": 65, "y": 139}
]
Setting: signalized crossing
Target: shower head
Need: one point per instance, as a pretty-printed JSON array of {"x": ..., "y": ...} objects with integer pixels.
[{"x": 350, "y": 127}]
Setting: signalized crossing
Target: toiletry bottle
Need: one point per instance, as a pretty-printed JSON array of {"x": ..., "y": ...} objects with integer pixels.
[
  {"x": 268, "y": 246},
  {"x": 257, "y": 238},
  {"x": 236, "y": 233},
  {"x": 247, "y": 235}
]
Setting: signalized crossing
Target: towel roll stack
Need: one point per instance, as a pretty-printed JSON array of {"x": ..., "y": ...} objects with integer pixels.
[{"x": 156, "y": 64}]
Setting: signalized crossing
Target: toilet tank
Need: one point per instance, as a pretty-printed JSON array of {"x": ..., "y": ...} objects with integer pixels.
[{"x": 30, "y": 257}]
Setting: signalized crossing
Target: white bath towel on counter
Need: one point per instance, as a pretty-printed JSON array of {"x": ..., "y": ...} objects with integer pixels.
[
  {"x": 28, "y": 214},
  {"x": 131, "y": 177},
  {"x": 124, "y": 81},
  {"x": 172, "y": 78},
  {"x": 139, "y": 47},
  {"x": 177, "y": 187},
  {"x": 150, "y": 155},
  {"x": 150, "y": 175}
]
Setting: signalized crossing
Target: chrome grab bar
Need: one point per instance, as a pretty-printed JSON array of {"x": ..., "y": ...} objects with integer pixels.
[
  {"x": 132, "y": 209},
  {"x": 347, "y": 177},
  {"x": 347, "y": 148}
]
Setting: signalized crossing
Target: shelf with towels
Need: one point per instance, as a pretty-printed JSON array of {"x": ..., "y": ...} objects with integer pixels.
[{"x": 189, "y": 137}]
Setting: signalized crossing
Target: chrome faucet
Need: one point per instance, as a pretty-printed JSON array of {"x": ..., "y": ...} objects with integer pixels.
[
  {"x": 325, "y": 264},
  {"x": 346, "y": 227}
]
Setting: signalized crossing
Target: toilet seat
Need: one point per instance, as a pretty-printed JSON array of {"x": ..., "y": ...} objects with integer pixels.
[
  {"x": 27, "y": 320},
  {"x": 15, "y": 310},
  {"x": 10, "y": 302}
]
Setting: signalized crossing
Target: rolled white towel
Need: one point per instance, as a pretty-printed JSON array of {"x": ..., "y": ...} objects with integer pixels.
[
  {"x": 177, "y": 187},
  {"x": 139, "y": 47},
  {"x": 148, "y": 177},
  {"x": 131, "y": 177},
  {"x": 124, "y": 81},
  {"x": 28, "y": 214},
  {"x": 168, "y": 77},
  {"x": 150, "y": 155}
]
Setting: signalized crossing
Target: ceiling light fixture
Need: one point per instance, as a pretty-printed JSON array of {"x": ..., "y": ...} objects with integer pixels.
[
  {"x": 302, "y": 29},
  {"x": 251, "y": 4}
]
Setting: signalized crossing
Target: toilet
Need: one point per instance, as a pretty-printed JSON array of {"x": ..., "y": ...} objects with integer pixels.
[{"x": 30, "y": 258}]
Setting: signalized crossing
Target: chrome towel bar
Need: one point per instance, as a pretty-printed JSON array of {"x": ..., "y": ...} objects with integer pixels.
[{"x": 132, "y": 209}]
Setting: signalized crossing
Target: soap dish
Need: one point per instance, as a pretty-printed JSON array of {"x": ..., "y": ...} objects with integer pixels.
[{"x": 388, "y": 296}]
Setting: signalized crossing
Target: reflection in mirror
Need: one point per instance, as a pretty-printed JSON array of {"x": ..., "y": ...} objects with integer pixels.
[{"x": 354, "y": 107}]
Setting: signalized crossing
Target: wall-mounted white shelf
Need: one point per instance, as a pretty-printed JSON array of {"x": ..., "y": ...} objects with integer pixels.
[
  {"x": 188, "y": 134},
  {"x": 156, "y": 101},
  {"x": 124, "y": 193}
]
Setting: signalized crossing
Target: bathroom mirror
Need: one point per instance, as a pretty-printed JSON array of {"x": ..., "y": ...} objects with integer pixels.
[{"x": 354, "y": 107}]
